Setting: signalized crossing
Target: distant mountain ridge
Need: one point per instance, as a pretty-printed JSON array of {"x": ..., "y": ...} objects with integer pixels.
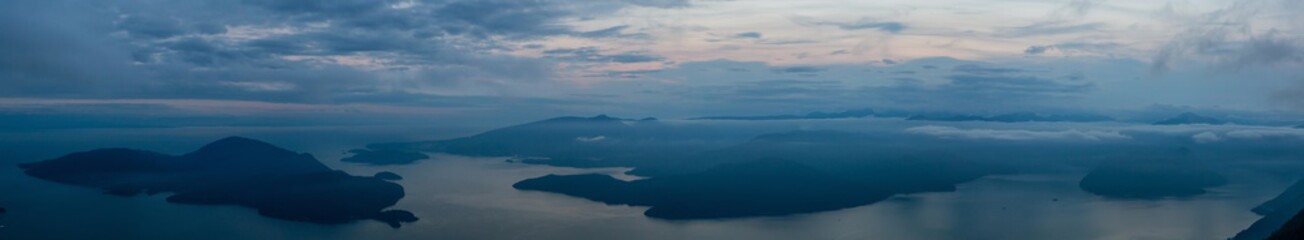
[
  {"x": 937, "y": 116},
  {"x": 1011, "y": 117},
  {"x": 858, "y": 113}
]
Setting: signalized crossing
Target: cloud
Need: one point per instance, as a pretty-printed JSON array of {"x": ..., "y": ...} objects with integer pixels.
[
  {"x": 1080, "y": 8},
  {"x": 933, "y": 83},
  {"x": 1073, "y": 47},
  {"x": 591, "y": 139},
  {"x": 1050, "y": 28},
  {"x": 1229, "y": 37},
  {"x": 1206, "y": 137},
  {"x": 1012, "y": 85},
  {"x": 1034, "y": 50},
  {"x": 659, "y": 3},
  {"x": 798, "y": 69},
  {"x": 979, "y": 69},
  {"x": 611, "y": 32},
  {"x": 752, "y": 35},
  {"x": 1255, "y": 134},
  {"x": 1016, "y": 135},
  {"x": 592, "y": 54},
  {"x": 862, "y": 24},
  {"x": 1246, "y": 34},
  {"x": 288, "y": 50}
]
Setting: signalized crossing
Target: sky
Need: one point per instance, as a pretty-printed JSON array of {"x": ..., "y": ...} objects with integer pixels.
[{"x": 378, "y": 61}]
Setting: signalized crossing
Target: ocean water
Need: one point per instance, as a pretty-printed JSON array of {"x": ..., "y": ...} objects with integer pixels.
[{"x": 460, "y": 197}]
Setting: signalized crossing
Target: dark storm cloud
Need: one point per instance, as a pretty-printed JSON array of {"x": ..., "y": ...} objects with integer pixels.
[{"x": 283, "y": 50}]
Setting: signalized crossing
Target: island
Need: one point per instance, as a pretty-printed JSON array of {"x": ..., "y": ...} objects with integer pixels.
[
  {"x": 233, "y": 171},
  {"x": 699, "y": 171},
  {"x": 789, "y": 173},
  {"x": 383, "y": 156},
  {"x": 1293, "y": 229},
  {"x": 582, "y": 142},
  {"x": 1280, "y": 216},
  {"x": 767, "y": 187},
  {"x": 1151, "y": 175}
]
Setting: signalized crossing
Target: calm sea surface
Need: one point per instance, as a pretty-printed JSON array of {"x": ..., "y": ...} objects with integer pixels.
[{"x": 460, "y": 197}]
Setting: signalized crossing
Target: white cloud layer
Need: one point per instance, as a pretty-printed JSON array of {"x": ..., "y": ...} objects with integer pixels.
[
  {"x": 1261, "y": 134},
  {"x": 1206, "y": 137},
  {"x": 1016, "y": 134}
]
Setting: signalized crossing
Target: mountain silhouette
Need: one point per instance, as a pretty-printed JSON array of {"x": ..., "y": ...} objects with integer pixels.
[
  {"x": 1281, "y": 218},
  {"x": 747, "y": 189},
  {"x": 233, "y": 171},
  {"x": 858, "y": 113},
  {"x": 1010, "y": 117},
  {"x": 585, "y": 142},
  {"x": 1151, "y": 175}
]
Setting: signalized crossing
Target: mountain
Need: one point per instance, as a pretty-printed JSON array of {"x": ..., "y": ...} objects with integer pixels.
[
  {"x": 233, "y": 171},
  {"x": 819, "y": 171},
  {"x": 755, "y": 188},
  {"x": 1190, "y": 118},
  {"x": 1011, "y": 117},
  {"x": 1293, "y": 229},
  {"x": 1151, "y": 176},
  {"x": 599, "y": 141},
  {"x": 1280, "y": 215},
  {"x": 873, "y": 159},
  {"x": 858, "y": 113}
]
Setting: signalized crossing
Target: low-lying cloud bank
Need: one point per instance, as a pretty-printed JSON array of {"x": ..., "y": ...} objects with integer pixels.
[
  {"x": 1015, "y": 135},
  {"x": 1261, "y": 133}
]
